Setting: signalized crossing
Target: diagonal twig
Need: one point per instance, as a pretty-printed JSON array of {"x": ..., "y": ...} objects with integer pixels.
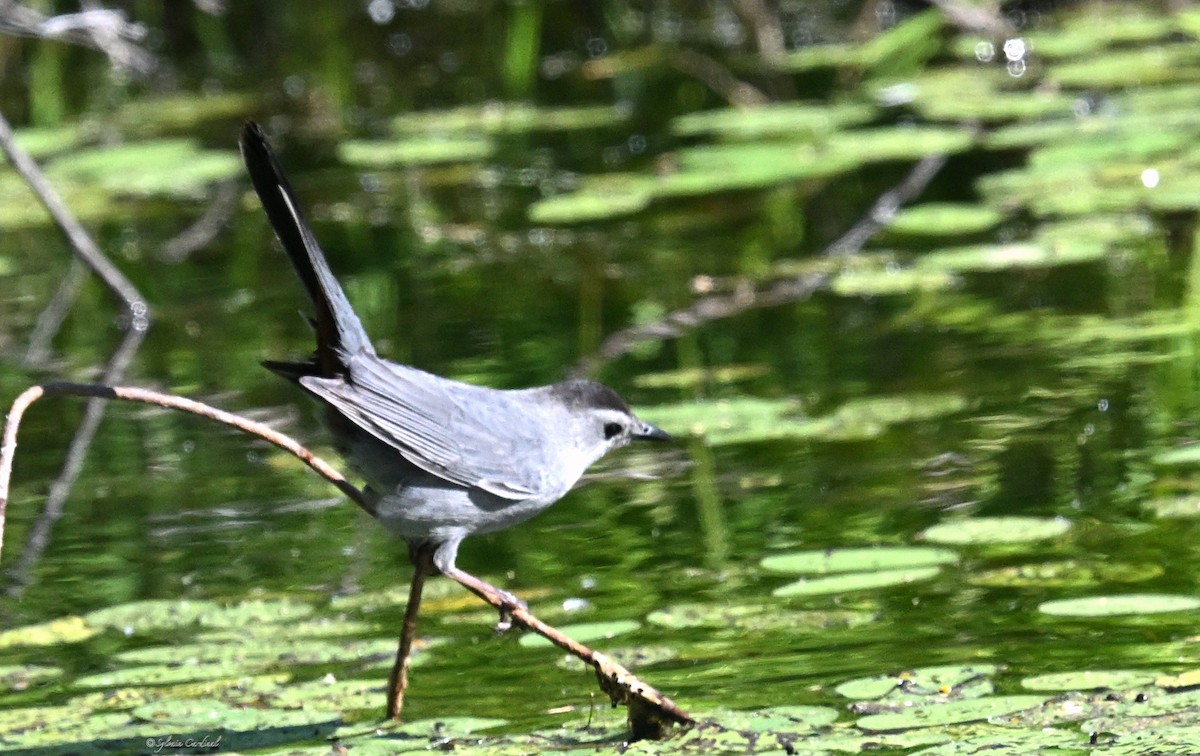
[{"x": 650, "y": 712}]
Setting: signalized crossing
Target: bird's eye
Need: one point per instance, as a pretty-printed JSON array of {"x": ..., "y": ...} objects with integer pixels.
[{"x": 611, "y": 429}]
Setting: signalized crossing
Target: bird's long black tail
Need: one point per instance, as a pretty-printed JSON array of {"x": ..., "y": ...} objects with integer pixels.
[{"x": 339, "y": 332}]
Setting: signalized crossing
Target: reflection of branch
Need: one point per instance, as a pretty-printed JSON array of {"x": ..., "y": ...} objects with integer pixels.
[
  {"x": 768, "y": 32},
  {"x": 51, "y": 319},
  {"x": 60, "y": 489},
  {"x": 715, "y": 307},
  {"x": 885, "y": 207},
  {"x": 83, "y": 245},
  {"x": 649, "y": 711},
  {"x": 137, "y": 320},
  {"x": 206, "y": 227},
  {"x": 98, "y": 28},
  {"x": 718, "y": 78}
]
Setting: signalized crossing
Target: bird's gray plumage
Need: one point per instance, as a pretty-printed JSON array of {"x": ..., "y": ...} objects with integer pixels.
[{"x": 443, "y": 459}]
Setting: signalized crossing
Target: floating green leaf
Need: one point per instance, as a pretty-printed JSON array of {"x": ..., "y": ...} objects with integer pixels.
[
  {"x": 153, "y": 614},
  {"x": 449, "y": 727},
  {"x": 1092, "y": 679},
  {"x": 596, "y": 199},
  {"x": 854, "y": 581},
  {"x": 509, "y": 118},
  {"x": 690, "y": 377},
  {"x": 936, "y": 681},
  {"x": 876, "y": 558},
  {"x": 756, "y": 617},
  {"x": 953, "y": 712},
  {"x": 254, "y": 612},
  {"x": 780, "y": 718},
  {"x": 944, "y": 219},
  {"x": 783, "y": 119},
  {"x": 1066, "y": 573},
  {"x": 1184, "y": 455},
  {"x": 986, "y": 530},
  {"x": 871, "y": 282},
  {"x": 415, "y": 151},
  {"x": 1112, "y": 606},
  {"x": 54, "y": 632},
  {"x": 172, "y": 167},
  {"x": 22, "y": 676},
  {"x": 1174, "y": 508},
  {"x": 992, "y": 257}
]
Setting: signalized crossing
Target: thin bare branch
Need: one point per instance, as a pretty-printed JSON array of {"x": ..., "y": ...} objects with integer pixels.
[
  {"x": 8, "y": 446},
  {"x": 650, "y": 712}
]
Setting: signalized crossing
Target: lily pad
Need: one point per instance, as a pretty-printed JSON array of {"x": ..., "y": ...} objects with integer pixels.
[
  {"x": 171, "y": 167},
  {"x": 415, "y": 151},
  {"x": 255, "y": 612},
  {"x": 1184, "y": 455},
  {"x": 991, "y": 530},
  {"x": 780, "y": 718},
  {"x": 153, "y": 614},
  {"x": 1175, "y": 508},
  {"x": 782, "y": 119},
  {"x": 869, "y": 282},
  {"x": 944, "y": 219},
  {"x": 1066, "y": 573},
  {"x": 213, "y": 715},
  {"x": 747, "y": 420},
  {"x": 15, "y": 677},
  {"x": 1112, "y": 606},
  {"x": 924, "y": 681},
  {"x": 756, "y": 617},
  {"x": 854, "y": 581},
  {"x": 1013, "y": 255},
  {"x": 953, "y": 712},
  {"x": 824, "y": 561},
  {"x": 1092, "y": 679},
  {"x": 509, "y": 118},
  {"x": 597, "y": 199},
  {"x": 52, "y": 633},
  {"x": 448, "y": 727},
  {"x": 165, "y": 674}
]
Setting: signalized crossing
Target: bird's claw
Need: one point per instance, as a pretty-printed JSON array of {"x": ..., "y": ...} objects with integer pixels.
[{"x": 508, "y": 603}]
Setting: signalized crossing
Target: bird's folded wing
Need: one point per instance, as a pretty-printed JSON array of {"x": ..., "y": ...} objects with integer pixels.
[{"x": 438, "y": 425}]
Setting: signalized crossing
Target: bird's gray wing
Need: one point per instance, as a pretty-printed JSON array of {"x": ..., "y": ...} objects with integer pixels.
[{"x": 464, "y": 434}]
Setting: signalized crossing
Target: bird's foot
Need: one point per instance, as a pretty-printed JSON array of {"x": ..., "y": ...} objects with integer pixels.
[{"x": 508, "y": 603}]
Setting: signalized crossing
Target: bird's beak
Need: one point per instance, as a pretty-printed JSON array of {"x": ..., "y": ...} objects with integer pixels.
[{"x": 649, "y": 433}]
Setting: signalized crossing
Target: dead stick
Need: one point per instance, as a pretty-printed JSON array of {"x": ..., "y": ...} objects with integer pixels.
[
  {"x": 398, "y": 679},
  {"x": 621, "y": 685},
  {"x": 646, "y": 705},
  {"x": 8, "y": 446}
]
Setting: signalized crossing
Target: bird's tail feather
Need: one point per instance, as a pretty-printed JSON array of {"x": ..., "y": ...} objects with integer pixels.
[{"x": 338, "y": 329}]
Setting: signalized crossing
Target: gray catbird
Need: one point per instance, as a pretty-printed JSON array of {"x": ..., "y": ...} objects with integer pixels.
[{"x": 443, "y": 459}]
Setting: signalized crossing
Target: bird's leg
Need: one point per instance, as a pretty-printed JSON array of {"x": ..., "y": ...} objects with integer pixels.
[
  {"x": 422, "y": 559},
  {"x": 505, "y": 602}
]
